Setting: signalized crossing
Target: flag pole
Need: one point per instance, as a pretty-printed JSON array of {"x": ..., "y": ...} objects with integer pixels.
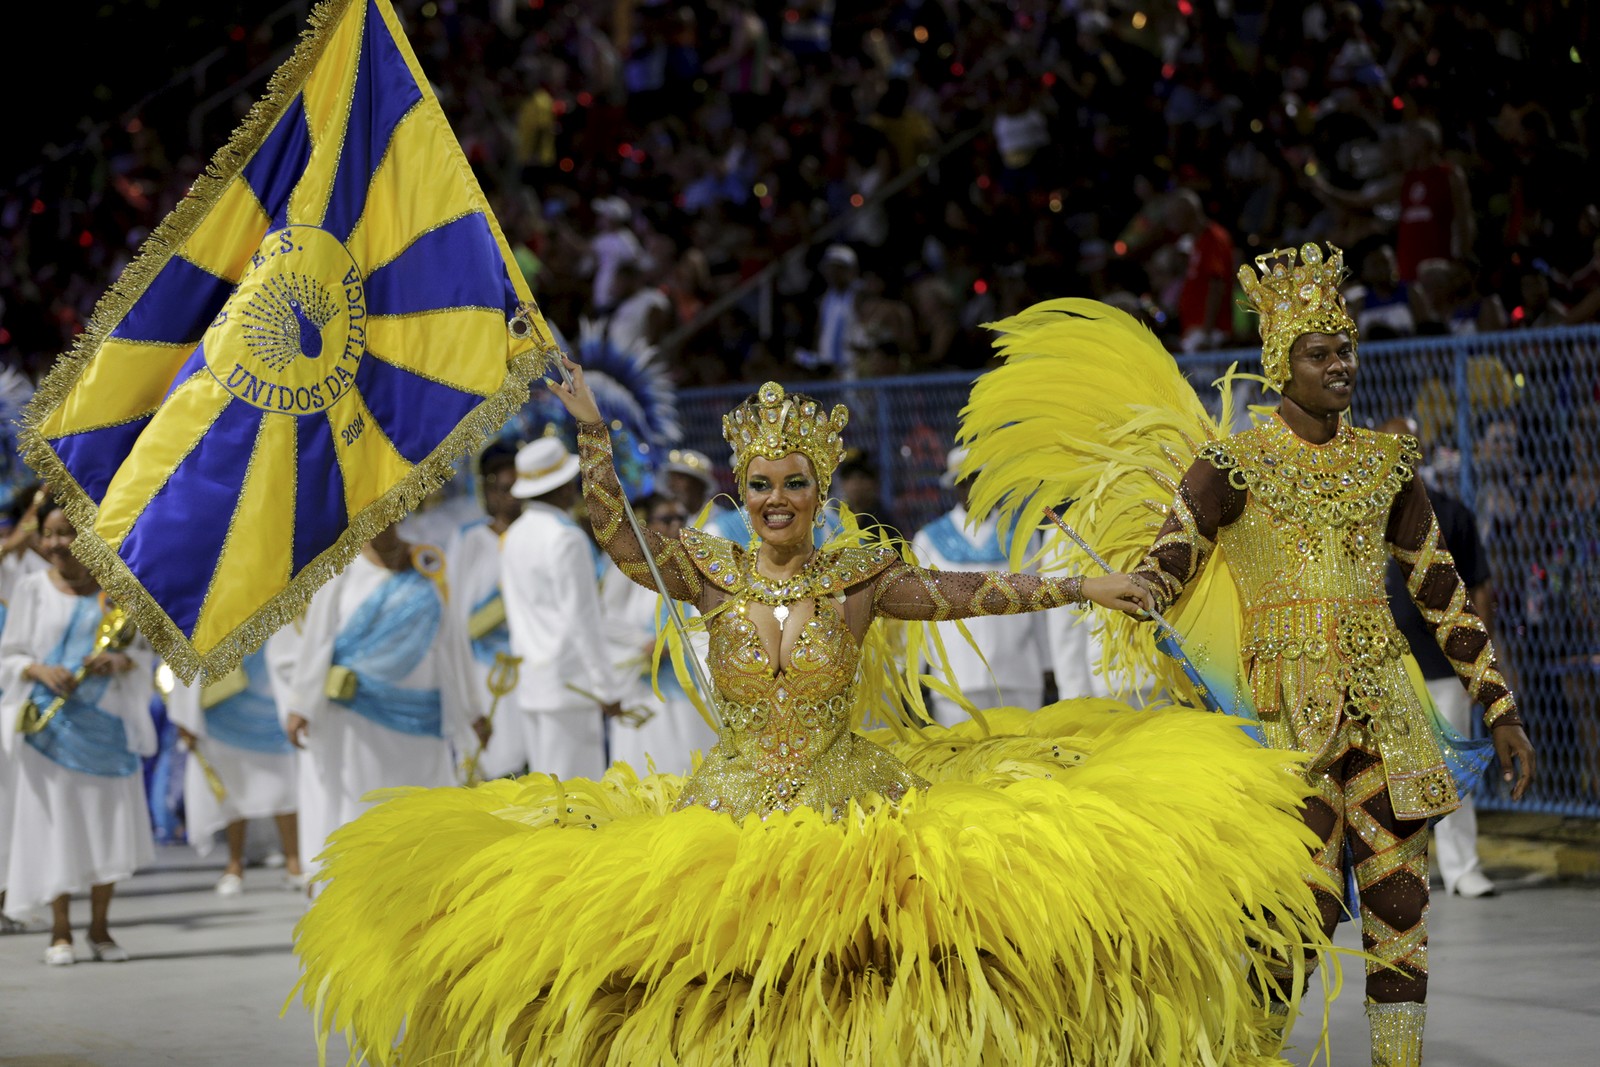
[{"x": 706, "y": 691}]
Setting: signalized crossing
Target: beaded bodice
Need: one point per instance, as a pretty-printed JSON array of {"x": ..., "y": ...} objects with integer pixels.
[
  {"x": 821, "y": 663},
  {"x": 784, "y": 708},
  {"x": 784, "y": 652},
  {"x": 1307, "y": 531},
  {"x": 1308, "y": 552}
]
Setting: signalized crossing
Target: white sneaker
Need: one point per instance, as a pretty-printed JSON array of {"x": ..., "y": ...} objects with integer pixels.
[
  {"x": 230, "y": 885},
  {"x": 1473, "y": 884},
  {"x": 60, "y": 955}
]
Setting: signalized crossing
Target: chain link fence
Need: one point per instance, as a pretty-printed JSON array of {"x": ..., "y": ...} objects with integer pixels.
[{"x": 1510, "y": 424}]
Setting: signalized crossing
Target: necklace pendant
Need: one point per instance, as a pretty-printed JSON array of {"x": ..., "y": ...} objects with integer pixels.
[{"x": 781, "y": 613}]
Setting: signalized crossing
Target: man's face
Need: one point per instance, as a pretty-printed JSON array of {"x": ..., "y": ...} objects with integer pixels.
[
  {"x": 497, "y": 498},
  {"x": 1322, "y": 372},
  {"x": 1380, "y": 267},
  {"x": 860, "y": 491},
  {"x": 688, "y": 490}
]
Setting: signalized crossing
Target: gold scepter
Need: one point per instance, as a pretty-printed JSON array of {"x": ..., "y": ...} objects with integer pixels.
[
  {"x": 115, "y": 633},
  {"x": 165, "y": 684},
  {"x": 634, "y": 717},
  {"x": 502, "y": 680},
  {"x": 213, "y": 779}
]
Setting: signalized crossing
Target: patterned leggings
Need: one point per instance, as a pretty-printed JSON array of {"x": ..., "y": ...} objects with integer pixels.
[{"x": 1391, "y": 866}]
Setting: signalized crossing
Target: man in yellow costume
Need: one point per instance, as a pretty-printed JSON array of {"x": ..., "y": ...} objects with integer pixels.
[{"x": 1306, "y": 509}]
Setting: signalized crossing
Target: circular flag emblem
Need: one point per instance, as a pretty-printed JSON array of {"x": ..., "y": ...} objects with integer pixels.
[{"x": 291, "y": 336}]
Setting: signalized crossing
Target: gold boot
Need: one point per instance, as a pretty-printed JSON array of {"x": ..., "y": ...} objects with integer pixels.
[{"x": 1396, "y": 1033}]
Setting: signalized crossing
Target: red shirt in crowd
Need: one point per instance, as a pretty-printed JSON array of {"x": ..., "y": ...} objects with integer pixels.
[
  {"x": 1211, "y": 259},
  {"x": 1427, "y": 214}
]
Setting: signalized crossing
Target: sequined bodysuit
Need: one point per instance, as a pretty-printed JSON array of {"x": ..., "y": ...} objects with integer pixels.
[
  {"x": 788, "y": 711},
  {"x": 1306, "y": 530}
]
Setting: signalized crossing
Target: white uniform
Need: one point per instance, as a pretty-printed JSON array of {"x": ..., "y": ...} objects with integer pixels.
[
  {"x": 674, "y": 730},
  {"x": 347, "y": 755},
  {"x": 13, "y": 569},
  {"x": 475, "y": 578},
  {"x": 1455, "y": 837},
  {"x": 259, "y": 784},
  {"x": 70, "y": 830},
  {"x": 552, "y": 597},
  {"x": 1015, "y": 646}
]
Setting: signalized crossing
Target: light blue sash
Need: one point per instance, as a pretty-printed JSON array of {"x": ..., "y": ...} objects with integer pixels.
[
  {"x": 495, "y": 641},
  {"x": 667, "y": 680},
  {"x": 249, "y": 718},
  {"x": 953, "y": 545},
  {"x": 81, "y": 737},
  {"x": 385, "y": 639}
]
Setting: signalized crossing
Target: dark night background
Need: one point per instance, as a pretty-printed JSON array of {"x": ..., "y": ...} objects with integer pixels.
[{"x": 70, "y": 63}]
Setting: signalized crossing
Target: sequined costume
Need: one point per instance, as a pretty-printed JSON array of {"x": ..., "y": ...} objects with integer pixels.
[
  {"x": 787, "y": 739},
  {"x": 1015, "y": 890},
  {"x": 1269, "y": 564},
  {"x": 1307, "y": 530}
]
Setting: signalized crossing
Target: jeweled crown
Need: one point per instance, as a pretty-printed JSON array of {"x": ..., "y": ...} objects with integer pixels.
[
  {"x": 1294, "y": 299},
  {"x": 775, "y": 425}
]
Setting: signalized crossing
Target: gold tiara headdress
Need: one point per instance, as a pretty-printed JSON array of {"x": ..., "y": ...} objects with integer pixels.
[
  {"x": 776, "y": 425},
  {"x": 1293, "y": 300}
]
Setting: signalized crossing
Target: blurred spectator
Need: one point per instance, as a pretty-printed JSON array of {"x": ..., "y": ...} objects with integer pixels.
[
  {"x": 1205, "y": 312},
  {"x": 837, "y": 322},
  {"x": 1435, "y": 209},
  {"x": 1448, "y": 290},
  {"x": 862, "y": 491},
  {"x": 1380, "y": 302},
  {"x": 641, "y": 314},
  {"x": 743, "y": 130},
  {"x": 612, "y": 245},
  {"x": 1538, "y": 308}
]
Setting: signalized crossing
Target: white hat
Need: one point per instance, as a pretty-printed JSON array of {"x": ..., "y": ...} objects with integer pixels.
[
  {"x": 952, "y": 467},
  {"x": 694, "y": 464},
  {"x": 837, "y": 253},
  {"x": 543, "y": 465}
]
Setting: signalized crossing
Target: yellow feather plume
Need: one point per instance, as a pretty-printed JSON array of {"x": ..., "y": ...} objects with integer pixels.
[
  {"x": 1088, "y": 407},
  {"x": 1090, "y": 886}
]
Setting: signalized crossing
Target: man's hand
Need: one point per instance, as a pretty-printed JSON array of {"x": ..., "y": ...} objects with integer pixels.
[
  {"x": 297, "y": 728},
  {"x": 612, "y": 710},
  {"x": 108, "y": 663},
  {"x": 1119, "y": 592},
  {"x": 186, "y": 739},
  {"x": 57, "y": 679},
  {"x": 483, "y": 729},
  {"x": 1511, "y": 745}
]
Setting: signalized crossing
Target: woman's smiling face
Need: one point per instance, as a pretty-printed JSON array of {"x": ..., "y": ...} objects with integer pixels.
[{"x": 782, "y": 498}]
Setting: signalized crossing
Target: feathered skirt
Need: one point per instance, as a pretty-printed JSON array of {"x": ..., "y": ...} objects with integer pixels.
[{"x": 1086, "y": 884}]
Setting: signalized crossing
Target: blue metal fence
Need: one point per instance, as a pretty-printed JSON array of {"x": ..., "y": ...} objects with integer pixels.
[{"x": 1510, "y": 423}]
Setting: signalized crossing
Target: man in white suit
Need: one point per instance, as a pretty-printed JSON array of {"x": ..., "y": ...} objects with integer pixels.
[{"x": 549, "y": 581}]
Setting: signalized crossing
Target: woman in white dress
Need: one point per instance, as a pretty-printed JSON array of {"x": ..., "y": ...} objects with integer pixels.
[
  {"x": 79, "y": 818},
  {"x": 19, "y": 555},
  {"x": 234, "y": 727}
]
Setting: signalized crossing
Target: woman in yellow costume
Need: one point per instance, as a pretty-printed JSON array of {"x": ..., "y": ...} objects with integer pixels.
[{"x": 1083, "y": 884}]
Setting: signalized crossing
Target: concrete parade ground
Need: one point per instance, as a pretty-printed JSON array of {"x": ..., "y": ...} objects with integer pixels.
[{"x": 1516, "y": 977}]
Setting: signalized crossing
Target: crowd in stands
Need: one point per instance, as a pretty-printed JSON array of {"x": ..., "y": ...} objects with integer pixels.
[{"x": 907, "y": 170}]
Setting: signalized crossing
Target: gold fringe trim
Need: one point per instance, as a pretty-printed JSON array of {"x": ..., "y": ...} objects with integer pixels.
[{"x": 164, "y": 242}]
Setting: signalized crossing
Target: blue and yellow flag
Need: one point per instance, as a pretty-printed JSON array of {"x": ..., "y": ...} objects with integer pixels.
[{"x": 321, "y": 327}]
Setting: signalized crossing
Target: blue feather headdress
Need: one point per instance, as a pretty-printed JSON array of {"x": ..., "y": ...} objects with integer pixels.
[{"x": 636, "y": 397}]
